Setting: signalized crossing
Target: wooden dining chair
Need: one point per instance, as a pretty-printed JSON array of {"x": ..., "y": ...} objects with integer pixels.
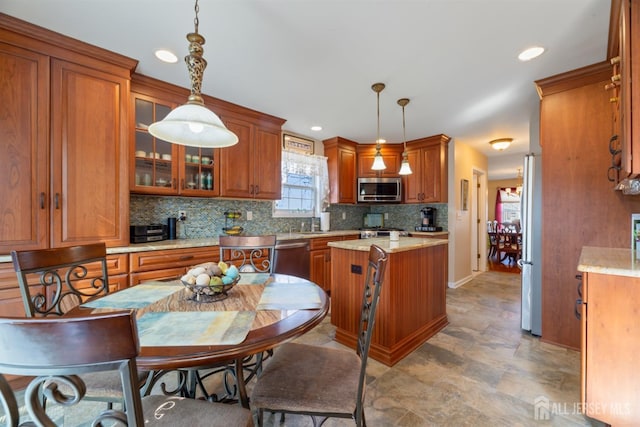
[
  {"x": 56, "y": 350},
  {"x": 249, "y": 253},
  {"x": 318, "y": 381},
  {"x": 53, "y": 281}
]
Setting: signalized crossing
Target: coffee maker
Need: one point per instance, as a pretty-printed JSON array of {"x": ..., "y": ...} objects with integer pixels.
[{"x": 428, "y": 220}]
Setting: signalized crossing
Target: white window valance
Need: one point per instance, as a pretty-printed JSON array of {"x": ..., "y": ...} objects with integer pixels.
[{"x": 312, "y": 165}]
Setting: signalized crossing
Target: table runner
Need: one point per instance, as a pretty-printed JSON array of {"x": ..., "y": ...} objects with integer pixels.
[
  {"x": 136, "y": 296},
  {"x": 189, "y": 328}
]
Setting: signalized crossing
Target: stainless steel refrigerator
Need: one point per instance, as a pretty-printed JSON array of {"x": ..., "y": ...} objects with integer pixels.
[{"x": 531, "y": 221}]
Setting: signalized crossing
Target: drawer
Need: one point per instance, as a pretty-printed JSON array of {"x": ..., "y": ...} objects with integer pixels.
[
  {"x": 321, "y": 242},
  {"x": 171, "y": 258}
]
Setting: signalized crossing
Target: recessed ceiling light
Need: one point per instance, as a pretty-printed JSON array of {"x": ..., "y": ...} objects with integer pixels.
[
  {"x": 316, "y": 128},
  {"x": 166, "y": 56},
  {"x": 530, "y": 53}
]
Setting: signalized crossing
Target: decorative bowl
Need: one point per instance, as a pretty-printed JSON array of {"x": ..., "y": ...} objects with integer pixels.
[
  {"x": 209, "y": 293},
  {"x": 233, "y": 231}
]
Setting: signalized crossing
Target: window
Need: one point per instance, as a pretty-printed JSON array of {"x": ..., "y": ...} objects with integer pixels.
[
  {"x": 305, "y": 186},
  {"x": 508, "y": 205}
]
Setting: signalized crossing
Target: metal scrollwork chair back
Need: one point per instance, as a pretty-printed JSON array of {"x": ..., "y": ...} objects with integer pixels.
[
  {"x": 39, "y": 347},
  {"x": 66, "y": 277},
  {"x": 290, "y": 381},
  {"x": 249, "y": 253}
]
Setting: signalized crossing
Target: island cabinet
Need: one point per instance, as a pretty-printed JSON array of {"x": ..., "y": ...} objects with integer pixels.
[
  {"x": 428, "y": 158},
  {"x": 159, "y": 167},
  {"x": 320, "y": 259},
  {"x": 252, "y": 167},
  {"x": 391, "y": 154},
  {"x": 610, "y": 344},
  {"x": 341, "y": 163},
  {"x": 64, "y": 127},
  {"x": 412, "y": 305},
  {"x": 168, "y": 263}
]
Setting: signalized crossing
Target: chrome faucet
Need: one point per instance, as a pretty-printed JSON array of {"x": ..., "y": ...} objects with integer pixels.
[{"x": 313, "y": 224}]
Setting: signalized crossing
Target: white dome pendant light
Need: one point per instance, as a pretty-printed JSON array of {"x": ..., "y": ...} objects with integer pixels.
[
  {"x": 405, "y": 168},
  {"x": 193, "y": 124},
  {"x": 378, "y": 161}
]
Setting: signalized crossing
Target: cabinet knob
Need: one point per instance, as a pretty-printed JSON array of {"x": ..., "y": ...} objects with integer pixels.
[
  {"x": 609, "y": 86},
  {"x": 42, "y": 199},
  {"x": 616, "y": 78},
  {"x": 56, "y": 201},
  {"x": 257, "y": 189},
  {"x": 613, "y": 99},
  {"x": 615, "y": 60}
]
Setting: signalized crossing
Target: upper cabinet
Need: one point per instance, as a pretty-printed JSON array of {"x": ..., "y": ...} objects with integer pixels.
[
  {"x": 391, "y": 154},
  {"x": 249, "y": 169},
  {"x": 428, "y": 161},
  {"x": 158, "y": 166},
  {"x": 624, "y": 54},
  {"x": 341, "y": 161},
  {"x": 64, "y": 124},
  {"x": 252, "y": 167}
]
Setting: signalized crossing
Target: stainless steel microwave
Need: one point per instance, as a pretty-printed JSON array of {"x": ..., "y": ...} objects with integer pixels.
[{"x": 379, "y": 190}]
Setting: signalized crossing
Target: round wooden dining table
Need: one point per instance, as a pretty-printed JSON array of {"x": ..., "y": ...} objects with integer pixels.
[{"x": 180, "y": 334}]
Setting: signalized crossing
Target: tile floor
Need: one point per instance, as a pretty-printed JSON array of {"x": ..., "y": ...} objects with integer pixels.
[{"x": 481, "y": 370}]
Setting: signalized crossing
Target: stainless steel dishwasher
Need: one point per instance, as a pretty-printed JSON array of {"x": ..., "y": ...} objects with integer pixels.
[{"x": 292, "y": 257}]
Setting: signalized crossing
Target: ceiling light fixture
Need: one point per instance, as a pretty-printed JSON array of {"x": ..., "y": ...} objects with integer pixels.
[
  {"x": 501, "y": 143},
  {"x": 378, "y": 161},
  {"x": 193, "y": 124},
  {"x": 405, "y": 168},
  {"x": 530, "y": 53},
  {"x": 167, "y": 56}
]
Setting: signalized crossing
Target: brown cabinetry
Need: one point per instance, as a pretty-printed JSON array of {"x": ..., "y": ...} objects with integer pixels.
[
  {"x": 341, "y": 162},
  {"x": 167, "y": 264},
  {"x": 428, "y": 160},
  {"x": 391, "y": 154},
  {"x": 610, "y": 390},
  {"x": 320, "y": 260},
  {"x": 252, "y": 167},
  {"x": 64, "y": 134},
  {"x": 624, "y": 51},
  {"x": 160, "y": 167}
]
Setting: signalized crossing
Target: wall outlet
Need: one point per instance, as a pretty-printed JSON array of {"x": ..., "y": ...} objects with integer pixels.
[
  {"x": 386, "y": 215},
  {"x": 249, "y": 216},
  {"x": 182, "y": 215},
  {"x": 344, "y": 215}
]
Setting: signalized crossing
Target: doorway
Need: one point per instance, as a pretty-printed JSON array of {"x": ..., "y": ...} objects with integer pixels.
[{"x": 478, "y": 230}]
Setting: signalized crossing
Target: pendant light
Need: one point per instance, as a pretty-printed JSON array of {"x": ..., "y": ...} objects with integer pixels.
[
  {"x": 193, "y": 124},
  {"x": 378, "y": 161},
  {"x": 405, "y": 169}
]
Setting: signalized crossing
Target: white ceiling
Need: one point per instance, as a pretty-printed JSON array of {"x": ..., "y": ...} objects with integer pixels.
[{"x": 314, "y": 61}]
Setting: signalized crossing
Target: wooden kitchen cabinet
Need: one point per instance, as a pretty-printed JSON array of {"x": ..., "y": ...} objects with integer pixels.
[
  {"x": 64, "y": 127},
  {"x": 391, "y": 154},
  {"x": 252, "y": 167},
  {"x": 341, "y": 162},
  {"x": 160, "y": 167},
  {"x": 320, "y": 259},
  {"x": 610, "y": 386},
  {"x": 428, "y": 158},
  {"x": 624, "y": 53},
  {"x": 167, "y": 264}
]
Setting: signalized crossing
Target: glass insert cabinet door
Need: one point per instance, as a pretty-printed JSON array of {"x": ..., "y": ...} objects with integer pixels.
[{"x": 164, "y": 168}]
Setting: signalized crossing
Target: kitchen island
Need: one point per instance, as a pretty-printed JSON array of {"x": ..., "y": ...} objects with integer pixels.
[{"x": 412, "y": 306}]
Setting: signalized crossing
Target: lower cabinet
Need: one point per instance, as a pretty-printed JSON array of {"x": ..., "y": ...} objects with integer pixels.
[
  {"x": 167, "y": 264},
  {"x": 320, "y": 262},
  {"x": 610, "y": 382}
]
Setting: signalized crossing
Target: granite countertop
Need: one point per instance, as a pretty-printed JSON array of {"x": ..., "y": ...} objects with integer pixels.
[
  {"x": 401, "y": 245},
  {"x": 613, "y": 261}
]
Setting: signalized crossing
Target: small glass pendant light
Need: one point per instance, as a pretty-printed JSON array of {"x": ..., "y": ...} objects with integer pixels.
[
  {"x": 378, "y": 161},
  {"x": 405, "y": 169}
]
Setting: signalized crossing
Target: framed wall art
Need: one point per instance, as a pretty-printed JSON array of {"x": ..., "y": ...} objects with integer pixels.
[
  {"x": 297, "y": 144},
  {"x": 464, "y": 194}
]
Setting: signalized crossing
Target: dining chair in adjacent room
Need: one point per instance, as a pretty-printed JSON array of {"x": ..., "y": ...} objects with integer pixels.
[
  {"x": 323, "y": 382},
  {"x": 40, "y": 347},
  {"x": 53, "y": 281},
  {"x": 250, "y": 254}
]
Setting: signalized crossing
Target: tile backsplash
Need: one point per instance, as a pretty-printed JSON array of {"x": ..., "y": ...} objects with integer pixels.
[{"x": 205, "y": 216}]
